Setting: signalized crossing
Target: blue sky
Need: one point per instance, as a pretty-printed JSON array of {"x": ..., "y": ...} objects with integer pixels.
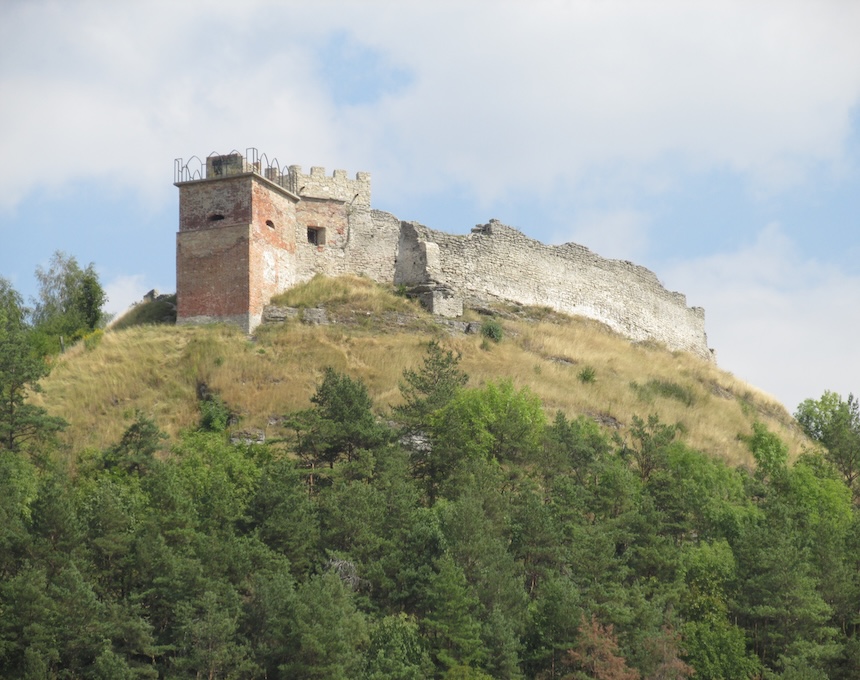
[{"x": 718, "y": 144}]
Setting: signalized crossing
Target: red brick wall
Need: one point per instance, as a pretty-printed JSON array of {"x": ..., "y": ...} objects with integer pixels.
[
  {"x": 272, "y": 248},
  {"x": 212, "y": 272},
  {"x": 229, "y": 268},
  {"x": 270, "y": 204}
]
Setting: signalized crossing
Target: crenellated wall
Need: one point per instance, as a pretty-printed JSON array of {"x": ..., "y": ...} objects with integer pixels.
[
  {"x": 247, "y": 233},
  {"x": 338, "y": 187}
]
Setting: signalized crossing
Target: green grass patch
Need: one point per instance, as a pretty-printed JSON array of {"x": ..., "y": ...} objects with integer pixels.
[
  {"x": 92, "y": 340},
  {"x": 664, "y": 388},
  {"x": 587, "y": 375}
]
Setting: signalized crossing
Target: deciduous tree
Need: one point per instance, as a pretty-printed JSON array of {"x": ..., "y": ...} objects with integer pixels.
[
  {"x": 835, "y": 424},
  {"x": 21, "y": 369},
  {"x": 70, "y": 301}
]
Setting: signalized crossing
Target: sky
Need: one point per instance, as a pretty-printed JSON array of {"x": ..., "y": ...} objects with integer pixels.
[{"x": 716, "y": 143}]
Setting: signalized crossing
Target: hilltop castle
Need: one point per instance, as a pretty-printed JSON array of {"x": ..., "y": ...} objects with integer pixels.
[{"x": 249, "y": 229}]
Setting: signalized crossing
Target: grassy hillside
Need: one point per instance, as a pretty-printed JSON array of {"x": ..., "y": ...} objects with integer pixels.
[
  {"x": 158, "y": 311},
  {"x": 574, "y": 365}
]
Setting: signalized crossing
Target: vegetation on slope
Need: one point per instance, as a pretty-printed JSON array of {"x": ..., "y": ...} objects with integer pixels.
[
  {"x": 161, "y": 310},
  {"x": 573, "y": 365},
  {"x": 469, "y": 537},
  {"x": 344, "y": 296}
]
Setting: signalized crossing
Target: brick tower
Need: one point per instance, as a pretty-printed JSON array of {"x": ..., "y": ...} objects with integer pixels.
[
  {"x": 235, "y": 228},
  {"x": 248, "y": 231}
]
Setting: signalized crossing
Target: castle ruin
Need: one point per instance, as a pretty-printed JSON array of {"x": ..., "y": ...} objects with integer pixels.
[{"x": 249, "y": 229}]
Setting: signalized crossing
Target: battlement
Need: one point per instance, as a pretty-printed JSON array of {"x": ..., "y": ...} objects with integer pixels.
[{"x": 337, "y": 187}]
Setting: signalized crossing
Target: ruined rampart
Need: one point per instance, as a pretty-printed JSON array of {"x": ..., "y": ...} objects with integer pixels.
[{"x": 498, "y": 262}]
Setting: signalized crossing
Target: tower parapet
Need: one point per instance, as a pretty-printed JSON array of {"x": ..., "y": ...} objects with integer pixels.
[{"x": 316, "y": 184}]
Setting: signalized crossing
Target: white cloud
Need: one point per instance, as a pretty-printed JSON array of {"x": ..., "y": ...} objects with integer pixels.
[
  {"x": 504, "y": 96},
  {"x": 523, "y": 93},
  {"x": 123, "y": 291},
  {"x": 778, "y": 320},
  {"x": 619, "y": 234},
  {"x": 128, "y": 87}
]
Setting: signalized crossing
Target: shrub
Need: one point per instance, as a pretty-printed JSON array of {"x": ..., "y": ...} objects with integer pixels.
[
  {"x": 214, "y": 414},
  {"x": 587, "y": 375},
  {"x": 492, "y": 330}
]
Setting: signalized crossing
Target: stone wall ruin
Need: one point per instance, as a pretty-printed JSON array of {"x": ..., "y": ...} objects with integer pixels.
[{"x": 498, "y": 262}]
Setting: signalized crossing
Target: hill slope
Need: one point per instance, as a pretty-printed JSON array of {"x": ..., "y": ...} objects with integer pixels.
[{"x": 574, "y": 365}]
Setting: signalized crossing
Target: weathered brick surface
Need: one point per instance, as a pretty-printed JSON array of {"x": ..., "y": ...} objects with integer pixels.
[
  {"x": 236, "y": 235},
  {"x": 272, "y": 247},
  {"x": 328, "y": 215},
  {"x": 243, "y": 238},
  {"x": 212, "y": 273},
  {"x": 201, "y": 202}
]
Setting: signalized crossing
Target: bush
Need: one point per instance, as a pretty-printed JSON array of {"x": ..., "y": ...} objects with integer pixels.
[
  {"x": 214, "y": 414},
  {"x": 587, "y": 375},
  {"x": 492, "y": 330}
]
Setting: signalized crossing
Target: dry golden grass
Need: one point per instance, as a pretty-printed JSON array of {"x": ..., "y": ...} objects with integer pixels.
[
  {"x": 98, "y": 390},
  {"x": 549, "y": 357},
  {"x": 157, "y": 370}
]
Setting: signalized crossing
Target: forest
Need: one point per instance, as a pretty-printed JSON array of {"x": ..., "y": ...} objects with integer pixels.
[{"x": 461, "y": 534}]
